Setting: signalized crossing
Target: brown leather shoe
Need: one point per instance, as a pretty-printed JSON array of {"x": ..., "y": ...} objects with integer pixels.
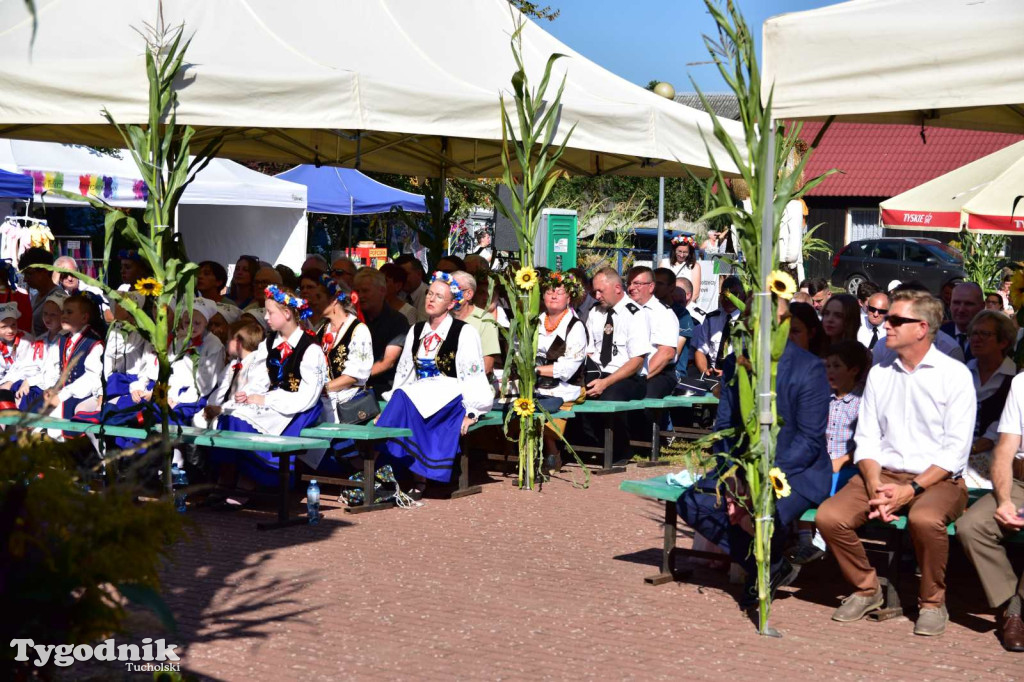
[{"x": 1013, "y": 633}]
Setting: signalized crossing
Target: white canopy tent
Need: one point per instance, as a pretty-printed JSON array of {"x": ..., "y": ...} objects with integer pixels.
[
  {"x": 401, "y": 86},
  {"x": 226, "y": 211},
  {"x": 952, "y": 63}
]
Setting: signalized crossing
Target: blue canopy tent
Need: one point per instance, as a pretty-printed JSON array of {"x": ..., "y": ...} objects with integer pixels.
[
  {"x": 346, "y": 191},
  {"x": 15, "y": 185}
]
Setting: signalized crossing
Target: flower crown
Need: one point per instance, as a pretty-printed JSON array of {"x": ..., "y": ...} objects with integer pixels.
[
  {"x": 299, "y": 305},
  {"x": 681, "y": 239},
  {"x": 566, "y": 280},
  {"x": 129, "y": 254},
  {"x": 333, "y": 290},
  {"x": 452, "y": 284}
]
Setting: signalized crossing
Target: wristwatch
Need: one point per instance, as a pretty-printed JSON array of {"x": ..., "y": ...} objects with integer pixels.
[{"x": 918, "y": 488}]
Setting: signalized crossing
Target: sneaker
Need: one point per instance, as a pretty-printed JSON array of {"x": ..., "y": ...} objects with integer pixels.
[
  {"x": 805, "y": 554},
  {"x": 786, "y": 574},
  {"x": 857, "y": 606},
  {"x": 931, "y": 622}
]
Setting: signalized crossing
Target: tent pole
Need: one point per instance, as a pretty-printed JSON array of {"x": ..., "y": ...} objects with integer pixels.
[
  {"x": 443, "y": 188},
  {"x": 764, "y": 349}
]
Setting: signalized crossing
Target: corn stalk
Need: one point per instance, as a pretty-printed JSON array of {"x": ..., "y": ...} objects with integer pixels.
[
  {"x": 767, "y": 150},
  {"x": 983, "y": 257},
  {"x": 532, "y": 153}
]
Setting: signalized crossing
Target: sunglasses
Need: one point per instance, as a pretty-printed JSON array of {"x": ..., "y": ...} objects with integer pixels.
[
  {"x": 341, "y": 273},
  {"x": 877, "y": 311},
  {"x": 899, "y": 321}
]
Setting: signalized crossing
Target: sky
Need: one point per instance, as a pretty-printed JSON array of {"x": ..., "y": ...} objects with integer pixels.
[{"x": 644, "y": 40}]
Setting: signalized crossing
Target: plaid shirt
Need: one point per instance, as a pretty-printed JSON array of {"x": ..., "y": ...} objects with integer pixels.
[{"x": 842, "y": 422}]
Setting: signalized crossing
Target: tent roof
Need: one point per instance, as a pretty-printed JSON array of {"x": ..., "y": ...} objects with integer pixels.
[
  {"x": 952, "y": 63},
  {"x": 386, "y": 85},
  {"x": 116, "y": 178},
  {"x": 346, "y": 191}
]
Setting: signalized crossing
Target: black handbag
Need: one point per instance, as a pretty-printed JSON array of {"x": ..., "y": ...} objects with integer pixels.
[{"x": 361, "y": 408}]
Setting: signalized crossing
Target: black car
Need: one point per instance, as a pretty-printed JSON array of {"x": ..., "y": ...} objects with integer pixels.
[{"x": 881, "y": 261}]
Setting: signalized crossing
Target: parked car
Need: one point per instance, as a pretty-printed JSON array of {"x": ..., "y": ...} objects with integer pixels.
[{"x": 881, "y": 261}]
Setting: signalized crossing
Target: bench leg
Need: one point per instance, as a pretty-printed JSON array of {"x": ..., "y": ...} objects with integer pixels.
[
  {"x": 608, "y": 467},
  {"x": 668, "y": 553},
  {"x": 369, "y": 457},
  {"x": 283, "y": 475},
  {"x": 655, "y": 441},
  {"x": 464, "y": 488}
]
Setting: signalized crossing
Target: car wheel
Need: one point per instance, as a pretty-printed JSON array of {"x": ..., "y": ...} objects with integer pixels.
[{"x": 853, "y": 283}]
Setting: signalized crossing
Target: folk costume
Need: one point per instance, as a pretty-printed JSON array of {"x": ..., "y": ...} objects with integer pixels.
[{"x": 39, "y": 367}]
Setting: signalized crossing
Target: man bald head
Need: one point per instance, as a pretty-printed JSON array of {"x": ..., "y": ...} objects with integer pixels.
[{"x": 967, "y": 301}]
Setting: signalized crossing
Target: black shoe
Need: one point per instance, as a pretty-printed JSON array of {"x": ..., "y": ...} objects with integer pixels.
[{"x": 785, "y": 575}]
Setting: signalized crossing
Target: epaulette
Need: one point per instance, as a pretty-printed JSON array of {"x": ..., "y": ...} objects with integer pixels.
[
  {"x": 633, "y": 308},
  {"x": 713, "y": 313}
]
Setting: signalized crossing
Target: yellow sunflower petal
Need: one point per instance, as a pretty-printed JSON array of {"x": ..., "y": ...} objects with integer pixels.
[
  {"x": 1017, "y": 289},
  {"x": 781, "y": 284},
  {"x": 779, "y": 482},
  {"x": 526, "y": 278}
]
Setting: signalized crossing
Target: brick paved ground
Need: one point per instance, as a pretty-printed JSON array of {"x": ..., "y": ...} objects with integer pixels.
[{"x": 520, "y": 585}]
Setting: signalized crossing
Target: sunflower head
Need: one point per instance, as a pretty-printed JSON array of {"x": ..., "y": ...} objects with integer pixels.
[
  {"x": 523, "y": 407},
  {"x": 1017, "y": 288},
  {"x": 779, "y": 482},
  {"x": 149, "y": 286},
  {"x": 526, "y": 278},
  {"x": 160, "y": 394},
  {"x": 781, "y": 284}
]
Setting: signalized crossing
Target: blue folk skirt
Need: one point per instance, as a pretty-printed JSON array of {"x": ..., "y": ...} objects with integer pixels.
[
  {"x": 258, "y": 465},
  {"x": 434, "y": 445}
]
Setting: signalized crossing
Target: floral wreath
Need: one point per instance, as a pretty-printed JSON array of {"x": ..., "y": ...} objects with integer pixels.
[
  {"x": 681, "y": 239},
  {"x": 333, "y": 290},
  {"x": 129, "y": 254},
  {"x": 452, "y": 284},
  {"x": 299, "y": 305},
  {"x": 566, "y": 280}
]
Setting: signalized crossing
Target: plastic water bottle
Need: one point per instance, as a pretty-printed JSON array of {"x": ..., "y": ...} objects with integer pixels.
[
  {"x": 313, "y": 503},
  {"x": 179, "y": 481}
]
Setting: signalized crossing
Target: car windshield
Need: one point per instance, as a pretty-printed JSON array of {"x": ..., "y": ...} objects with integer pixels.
[{"x": 946, "y": 253}]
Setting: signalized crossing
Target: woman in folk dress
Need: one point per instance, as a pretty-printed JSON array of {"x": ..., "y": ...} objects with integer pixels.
[{"x": 683, "y": 262}]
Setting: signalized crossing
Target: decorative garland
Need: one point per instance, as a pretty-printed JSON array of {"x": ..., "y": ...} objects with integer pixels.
[
  {"x": 299, "y": 305},
  {"x": 333, "y": 290},
  {"x": 681, "y": 239},
  {"x": 566, "y": 280},
  {"x": 452, "y": 284}
]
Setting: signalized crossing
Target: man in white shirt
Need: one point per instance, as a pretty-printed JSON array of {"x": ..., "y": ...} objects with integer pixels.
[
  {"x": 872, "y": 328},
  {"x": 415, "y": 289},
  {"x": 711, "y": 340},
  {"x": 913, "y": 437},
  {"x": 994, "y": 518},
  {"x": 659, "y": 367}
]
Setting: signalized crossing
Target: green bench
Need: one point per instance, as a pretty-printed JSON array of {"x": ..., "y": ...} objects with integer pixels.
[
  {"x": 280, "y": 446},
  {"x": 657, "y": 406},
  {"x": 881, "y": 538}
]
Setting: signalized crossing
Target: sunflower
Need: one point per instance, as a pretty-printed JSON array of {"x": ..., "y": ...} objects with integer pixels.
[
  {"x": 779, "y": 482},
  {"x": 1017, "y": 289},
  {"x": 526, "y": 278},
  {"x": 160, "y": 394},
  {"x": 523, "y": 407},
  {"x": 781, "y": 284},
  {"x": 148, "y": 286}
]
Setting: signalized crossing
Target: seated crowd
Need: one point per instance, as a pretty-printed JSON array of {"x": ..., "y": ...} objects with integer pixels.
[{"x": 890, "y": 402}]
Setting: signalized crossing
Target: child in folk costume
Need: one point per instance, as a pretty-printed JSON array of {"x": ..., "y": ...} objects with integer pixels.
[
  {"x": 244, "y": 339},
  {"x": 227, "y": 314},
  {"x": 440, "y": 386},
  {"x": 284, "y": 397},
  {"x": 39, "y": 369},
  {"x": 15, "y": 344},
  {"x": 124, "y": 354},
  {"x": 79, "y": 389}
]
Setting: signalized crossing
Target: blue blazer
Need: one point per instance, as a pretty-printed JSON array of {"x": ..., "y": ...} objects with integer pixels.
[{"x": 803, "y": 396}]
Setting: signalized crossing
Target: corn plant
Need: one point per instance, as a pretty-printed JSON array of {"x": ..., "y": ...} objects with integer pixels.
[
  {"x": 529, "y": 158},
  {"x": 983, "y": 257},
  {"x": 766, "y": 150},
  {"x": 161, "y": 151}
]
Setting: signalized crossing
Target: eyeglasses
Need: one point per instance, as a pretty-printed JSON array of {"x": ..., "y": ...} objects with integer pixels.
[
  {"x": 640, "y": 284},
  {"x": 983, "y": 334},
  {"x": 877, "y": 311},
  {"x": 434, "y": 296},
  {"x": 342, "y": 273},
  {"x": 899, "y": 321}
]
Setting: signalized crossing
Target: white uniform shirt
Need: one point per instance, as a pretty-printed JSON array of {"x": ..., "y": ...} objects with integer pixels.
[
  {"x": 865, "y": 332},
  {"x": 707, "y": 337},
  {"x": 911, "y": 420},
  {"x": 664, "y": 326},
  {"x": 567, "y": 365},
  {"x": 431, "y": 394},
  {"x": 943, "y": 342},
  {"x": 631, "y": 335},
  {"x": 1012, "y": 420}
]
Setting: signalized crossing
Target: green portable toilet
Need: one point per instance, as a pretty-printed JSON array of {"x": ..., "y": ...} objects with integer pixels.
[{"x": 557, "y": 236}]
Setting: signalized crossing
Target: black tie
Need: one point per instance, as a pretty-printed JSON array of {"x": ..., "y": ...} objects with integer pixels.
[
  {"x": 234, "y": 382},
  {"x": 606, "y": 340},
  {"x": 961, "y": 339},
  {"x": 723, "y": 343},
  {"x": 874, "y": 338}
]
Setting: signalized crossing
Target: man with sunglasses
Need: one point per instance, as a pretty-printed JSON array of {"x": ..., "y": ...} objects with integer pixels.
[
  {"x": 872, "y": 328},
  {"x": 914, "y": 435},
  {"x": 945, "y": 343}
]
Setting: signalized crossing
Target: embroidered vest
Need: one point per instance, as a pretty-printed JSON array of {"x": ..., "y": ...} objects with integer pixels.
[
  {"x": 337, "y": 355},
  {"x": 556, "y": 351},
  {"x": 991, "y": 408},
  {"x": 445, "y": 358},
  {"x": 86, "y": 341},
  {"x": 286, "y": 375}
]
